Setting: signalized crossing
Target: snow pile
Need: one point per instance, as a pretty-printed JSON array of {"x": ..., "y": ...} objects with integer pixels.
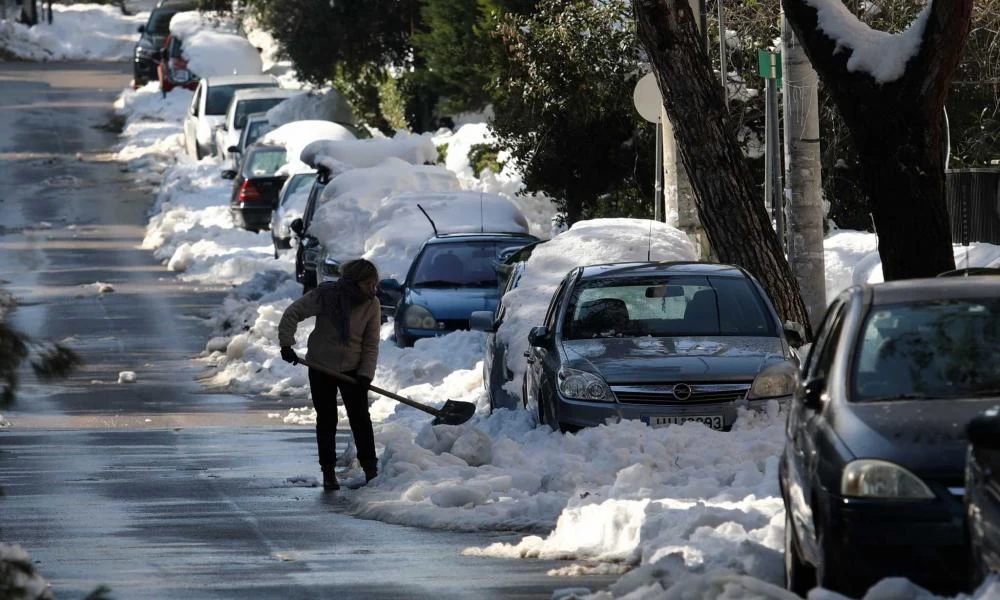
[
  {"x": 127, "y": 377},
  {"x": 102, "y": 287},
  {"x": 318, "y": 105},
  {"x": 852, "y": 258},
  {"x": 18, "y": 575},
  {"x": 877, "y": 53},
  {"x": 591, "y": 242},
  {"x": 213, "y": 47},
  {"x": 340, "y": 156},
  {"x": 392, "y": 233},
  {"x": 78, "y": 32},
  {"x": 296, "y": 135},
  {"x": 4, "y": 422}
]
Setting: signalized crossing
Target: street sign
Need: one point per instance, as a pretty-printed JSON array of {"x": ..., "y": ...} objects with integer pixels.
[
  {"x": 647, "y": 98},
  {"x": 769, "y": 65}
]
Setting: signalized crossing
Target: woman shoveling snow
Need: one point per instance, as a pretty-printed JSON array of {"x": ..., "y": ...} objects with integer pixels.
[{"x": 345, "y": 340}]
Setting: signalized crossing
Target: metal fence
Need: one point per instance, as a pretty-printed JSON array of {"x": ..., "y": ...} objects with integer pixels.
[{"x": 974, "y": 205}]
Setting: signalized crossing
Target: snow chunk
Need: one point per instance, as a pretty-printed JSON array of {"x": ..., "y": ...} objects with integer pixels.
[
  {"x": 471, "y": 444},
  {"x": 877, "y": 53},
  {"x": 303, "y": 481},
  {"x": 591, "y": 242},
  {"x": 217, "y": 344},
  {"x": 127, "y": 377},
  {"x": 103, "y": 288}
]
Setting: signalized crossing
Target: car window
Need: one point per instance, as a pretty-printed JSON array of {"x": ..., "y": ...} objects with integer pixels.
[
  {"x": 941, "y": 349},
  {"x": 664, "y": 306},
  {"x": 196, "y": 99},
  {"x": 159, "y": 21},
  {"x": 256, "y": 130},
  {"x": 314, "y": 195},
  {"x": 512, "y": 281},
  {"x": 245, "y": 108},
  {"x": 264, "y": 163},
  {"x": 219, "y": 96},
  {"x": 467, "y": 263},
  {"x": 822, "y": 332},
  {"x": 175, "y": 47},
  {"x": 553, "y": 311},
  {"x": 297, "y": 193},
  {"x": 826, "y": 347}
]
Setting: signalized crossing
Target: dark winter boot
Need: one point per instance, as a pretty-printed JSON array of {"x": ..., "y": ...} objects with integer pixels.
[
  {"x": 330, "y": 479},
  {"x": 371, "y": 471}
]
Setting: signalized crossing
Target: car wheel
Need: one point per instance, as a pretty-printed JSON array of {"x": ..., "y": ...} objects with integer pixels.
[{"x": 800, "y": 577}]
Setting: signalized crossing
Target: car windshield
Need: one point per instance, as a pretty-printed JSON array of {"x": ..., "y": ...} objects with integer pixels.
[
  {"x": 264, "y": 163},
  {"x": 944, "y": 349},
  {"x": 245, "y": 108},
  {"x": 219, "y": 96},
  {"x": 297, "y": 192},
  {"x": 159, "y": 21},
  {"x": 470, "y": 264},
  {"x": 664, "y": 306},
  {"x": 256, "y": 129}
]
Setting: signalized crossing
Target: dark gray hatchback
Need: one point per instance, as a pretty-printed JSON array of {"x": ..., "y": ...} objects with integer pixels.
[{"x": 664, "y": 343}]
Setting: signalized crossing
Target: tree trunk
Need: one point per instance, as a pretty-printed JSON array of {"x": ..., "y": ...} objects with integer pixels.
[
  {"x": 897, "y": 129},
  {"x": 731, "y": 212},
  {"x": 803, "y": 173}
]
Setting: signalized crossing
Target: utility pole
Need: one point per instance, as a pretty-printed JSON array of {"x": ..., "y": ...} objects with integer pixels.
[{"x": 803, "y": 174}]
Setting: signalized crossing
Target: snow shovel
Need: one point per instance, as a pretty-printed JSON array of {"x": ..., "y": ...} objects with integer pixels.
[{"x": 454, "y": 412}]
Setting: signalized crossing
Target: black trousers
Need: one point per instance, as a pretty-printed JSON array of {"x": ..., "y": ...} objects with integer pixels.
[{"x": 324, "y": 396}]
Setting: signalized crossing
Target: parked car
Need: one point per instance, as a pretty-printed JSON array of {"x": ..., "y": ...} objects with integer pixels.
[
  {"x": 256, "y": 187},
  {"x": 216, "y": 52},
  {"x": 873, "y": 469},
  {"x": 664, "y": 343},
  {"x": 256, "y": 126},
  {"x": 208, "y": 109},
  {"x": 292, "y": 202},
  {"x": 242, "y": 105},
  {"x": 982, "y": 495},
  {"x": 308, "y": 249},
  {"x": 146, "y": 54},
  {"x": 452, "y": 276}
]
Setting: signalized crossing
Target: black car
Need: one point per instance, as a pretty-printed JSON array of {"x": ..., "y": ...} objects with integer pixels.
[
  {"x": 982, "y": 495},
  {"x": 663, "y": 343},
  {"x": 872, "y": 474},
  {"x": 147, "y": 50},
  {"x": 307, "y": 250},
  {"x": 256, "y": 187}
]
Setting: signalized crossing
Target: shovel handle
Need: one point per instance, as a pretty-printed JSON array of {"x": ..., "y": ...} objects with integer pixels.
[{"x": 377, "y": 390}]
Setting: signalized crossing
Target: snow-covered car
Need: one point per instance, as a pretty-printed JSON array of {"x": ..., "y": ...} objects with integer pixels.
[
  {"x": 243, "y": 104},
  {"x": 872, "y": 474},
  {"x": 453, "y": 276},
  {"x": 308, "y": 249},
  {"x": 146, "y": 54},
  {"x": 201, "y": 46},
  {"x": 256, "y": 186},
  {"x": 256, "y": 126},
  {"x": 208, "y": 109},
  {"x": 663, "y": 343},
  {"x": 292, "y": 202}
]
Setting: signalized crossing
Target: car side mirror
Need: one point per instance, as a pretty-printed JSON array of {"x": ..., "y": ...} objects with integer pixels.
[
  {"x": 795, "y": 333},
  {"x": 228, "y": 174},
  {"x": 984, "y": 430},
  {"x": 539, "y": 337},
  {"x": 233, "y": 150},
  {"x": 482, "y": 320},
  {"x": 812, "y": 393},
  {"x": 390, "y": 285},
  {"x": 297, "y": 226},
  {"x": 142, "y": 29}
]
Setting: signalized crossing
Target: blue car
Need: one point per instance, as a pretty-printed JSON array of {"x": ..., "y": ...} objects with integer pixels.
[{"x": 452, "y": 276}]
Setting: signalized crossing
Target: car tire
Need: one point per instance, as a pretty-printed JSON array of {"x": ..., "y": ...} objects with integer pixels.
[{"x": 800, "y": 576}]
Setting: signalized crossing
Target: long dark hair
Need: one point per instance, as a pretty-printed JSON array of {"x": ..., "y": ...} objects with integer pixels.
[{"x": 338, "y": 298}]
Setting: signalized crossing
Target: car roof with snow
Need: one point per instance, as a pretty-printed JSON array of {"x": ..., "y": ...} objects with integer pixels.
[
  {"x": 921, "y": 290},
  {"x": 633, "y": 269},
  {"x": 236, "y": 79},
  {"x": 447, "y": 238},
  {"x": 253, "y": 93}
]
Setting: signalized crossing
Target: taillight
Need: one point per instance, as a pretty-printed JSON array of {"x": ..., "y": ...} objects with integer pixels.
[{"x": 249, "y": 192}]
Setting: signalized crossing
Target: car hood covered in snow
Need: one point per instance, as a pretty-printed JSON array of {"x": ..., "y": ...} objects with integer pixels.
[{"x": 696, "y": 359}]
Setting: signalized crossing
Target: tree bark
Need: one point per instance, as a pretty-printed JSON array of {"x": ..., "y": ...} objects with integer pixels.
[
  {"x": 738, "y": 228},
  {"x": 803, "y": 173},
  {"x": 897, "y": 129}
]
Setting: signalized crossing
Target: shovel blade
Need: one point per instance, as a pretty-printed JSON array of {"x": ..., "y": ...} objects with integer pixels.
[{"x": 455, "y": 412}]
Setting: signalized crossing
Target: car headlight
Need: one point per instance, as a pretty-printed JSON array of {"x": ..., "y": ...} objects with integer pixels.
[
  {"x": 145, "y": 51},
  {"x": 582, "y": 385},
  {"x": 868, "y": 478},
  {"x": 180, "y": 75},
  {"x": 330, "y": 267},
  {"x": 418, "y": 317},
  {"x": 774, "y": 382}
]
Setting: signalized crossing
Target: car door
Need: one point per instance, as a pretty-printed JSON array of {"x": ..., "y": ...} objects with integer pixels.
[
  {"x": 540, "y": 360},
  {"x": 497, "y": 373},
  {"x": 804, "y": 425},
  {"x": 191, "y": 121}
]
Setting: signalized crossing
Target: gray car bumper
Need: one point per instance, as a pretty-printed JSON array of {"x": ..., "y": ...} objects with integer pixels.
[{"x": 582, "y": 413}]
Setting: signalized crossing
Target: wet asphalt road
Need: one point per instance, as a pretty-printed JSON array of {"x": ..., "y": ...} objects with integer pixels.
[{"x": 159, "y": 489}]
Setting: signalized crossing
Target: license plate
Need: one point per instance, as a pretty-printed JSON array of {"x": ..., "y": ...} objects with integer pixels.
[{"x": 711, "y": 421}]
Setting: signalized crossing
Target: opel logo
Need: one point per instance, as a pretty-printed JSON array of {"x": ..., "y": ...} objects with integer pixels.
[{"x": 682, "y": 391}]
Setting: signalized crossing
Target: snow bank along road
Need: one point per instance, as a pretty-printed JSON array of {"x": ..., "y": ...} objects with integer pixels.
[{"x": 156, "y": 488}]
